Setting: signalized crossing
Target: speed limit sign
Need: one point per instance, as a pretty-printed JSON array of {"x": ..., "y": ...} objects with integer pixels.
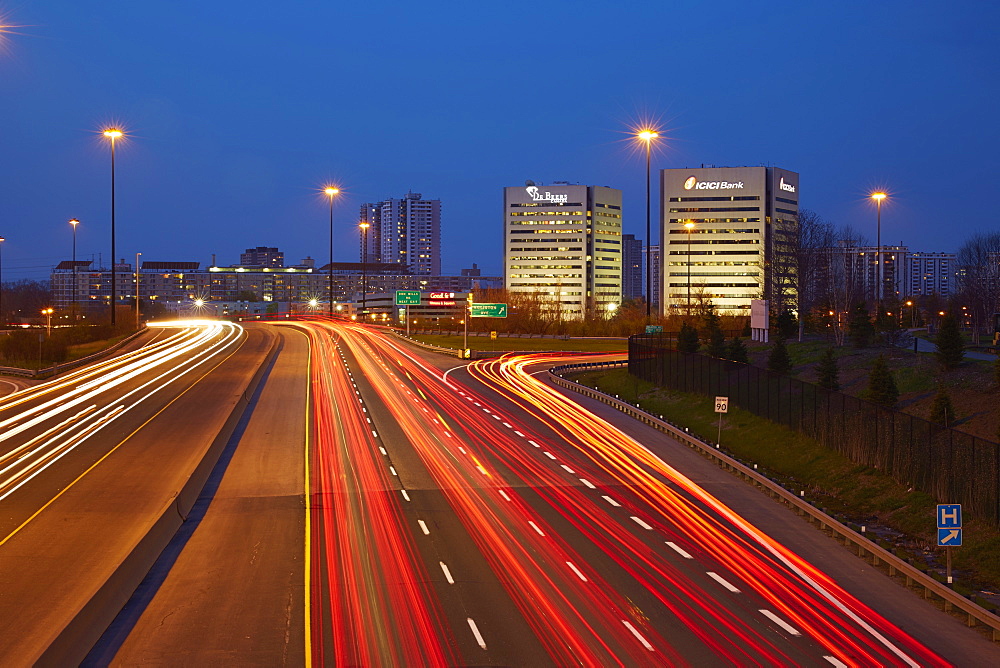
[{"x": 722, "y": 404}]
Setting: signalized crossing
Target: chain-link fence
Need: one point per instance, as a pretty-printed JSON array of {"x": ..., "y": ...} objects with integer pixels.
[{"x": 951, "y": 465}]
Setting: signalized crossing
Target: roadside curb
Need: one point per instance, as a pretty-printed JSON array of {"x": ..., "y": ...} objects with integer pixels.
[
  {"x": 72, "y": 644},
  {"x": 931, "y": 589}
]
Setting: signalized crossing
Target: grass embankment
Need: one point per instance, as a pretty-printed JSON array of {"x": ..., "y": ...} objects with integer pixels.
[
  {"x": 513, "y": 343},
  {"x": 81, "y": 350},
  {"x": 855, "y": 494}
]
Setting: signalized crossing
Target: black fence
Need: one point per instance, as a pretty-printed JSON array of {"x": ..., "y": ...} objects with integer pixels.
[{"x": 951, "y": 465}]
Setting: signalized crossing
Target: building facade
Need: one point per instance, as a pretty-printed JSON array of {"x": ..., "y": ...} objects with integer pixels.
[
  {"x": 262, "y": 256},
  {"x": 405, "y": 231},
  {"x": 729, "y": 236},
  {"x": 930, "y": 273},
  {"x": 564, "y": 244},
  {"x": 633, "y": 267}
]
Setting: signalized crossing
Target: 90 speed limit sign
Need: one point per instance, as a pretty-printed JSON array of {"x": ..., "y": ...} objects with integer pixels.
[{"x": 722, "y": 404}]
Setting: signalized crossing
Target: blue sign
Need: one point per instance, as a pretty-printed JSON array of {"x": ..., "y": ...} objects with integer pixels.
[
  {"x": 949, "y": 516},
  {"x": 949, "y": 537}
]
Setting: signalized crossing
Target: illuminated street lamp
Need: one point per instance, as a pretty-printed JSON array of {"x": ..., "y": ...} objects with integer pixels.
[
  {"x": 878, "y": 197},
  {"x": 3, "y": 320},
  {"x": 74, "y": 222},
  {"x": 113, "y": 134},
  {"x": 137, "y": 290},
  {"x": 364, "y": 266},
  {"x": 647, "y": 135},
  {"x": 690, "y": 226},
  {"x": 47, "y": 312},
  {"x": 331, "y": 192}
]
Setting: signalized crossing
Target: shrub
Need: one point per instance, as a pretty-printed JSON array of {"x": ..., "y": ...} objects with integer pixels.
[
  {"x": 829, "y": 372},
  {"x": 882, "y": 388}
]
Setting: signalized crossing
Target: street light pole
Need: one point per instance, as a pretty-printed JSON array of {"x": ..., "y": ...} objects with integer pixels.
[
  {"x": 137, "y": 290},
  {"x": 74, "y": 222},
  {"x": 647, "y": 135},
  {"x": 3, "y": 320},
  {"x": 331, "y": 192},
  {"x": 113, "y": 134},
  {"x": 690, "y": 226},
  {"x": 364, "y": 269},
  {"x": 878, "y": 197}
]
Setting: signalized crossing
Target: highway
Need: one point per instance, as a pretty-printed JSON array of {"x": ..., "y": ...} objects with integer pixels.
[{"x": 379, "y": 505}]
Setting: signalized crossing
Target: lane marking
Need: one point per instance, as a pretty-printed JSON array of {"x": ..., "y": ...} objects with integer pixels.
[
  {"x": 780, "y": 622},
  {"x": 423, "y": 527},
  {"x": 392, "y": 469},
  {"x": 374, "y": 433},
  {"x": 611, "y": 501},
  {"x": 568, "y": 469},
  {"x": 481, "y": 469},
  {"x": 535, "y": 527},
  {"x": 835, "y": 661},
  {"x": 475, "y": 632},
  {"x": 447, "y": 573},
  {"x": 503, "y": 494},
  {"x": 462, "y": 450},
  {"x": 722, "y": 581},
  {"x": 638, "y": 635},
  {"x": 534, "y": 444},
  {"x": 577, "y": 571},
  {"x": 519, "y": 433},
  {"x": 641, "y": 523},
  {"x": 588, "y": 483},
  {"x": 549, "y": 455},
  {"x": 679, "y": 551},
  {"x": 405, "y": 495},
  {"x": 383, "y": 451},
  {"x": 508, "y": 425}
]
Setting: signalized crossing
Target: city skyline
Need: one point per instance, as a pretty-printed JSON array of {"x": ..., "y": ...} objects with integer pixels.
[{"x": 231, "y": 135}]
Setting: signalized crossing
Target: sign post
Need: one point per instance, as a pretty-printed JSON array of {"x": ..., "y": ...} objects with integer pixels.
[
  {"x": 407, "y": 298},
  {"x": 949, "y": 526},
  {"x": 721, "y": 406}
]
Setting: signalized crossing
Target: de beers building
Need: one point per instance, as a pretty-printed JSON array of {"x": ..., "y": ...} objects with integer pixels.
[
  {"x": 728, "y": 236},
  {"x": 563, "y": 243}
]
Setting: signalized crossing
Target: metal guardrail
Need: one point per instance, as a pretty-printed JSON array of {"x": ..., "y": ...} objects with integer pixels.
[
  {"x": 952, "y": 600},
  {"x": 66, "y": 366}
]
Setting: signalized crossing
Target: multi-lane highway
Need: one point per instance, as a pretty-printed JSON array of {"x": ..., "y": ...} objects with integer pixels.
[{"x": 378, "y": 508}]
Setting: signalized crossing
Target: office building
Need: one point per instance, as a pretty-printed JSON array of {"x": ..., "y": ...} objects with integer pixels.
[
  {"x": 262, "y": 256},
  {"x": 405, "y": 231},
  {"x": 563, "y": 243},
  {"x": 728, "y": 235},
  {"x": 633, "y": 268}
]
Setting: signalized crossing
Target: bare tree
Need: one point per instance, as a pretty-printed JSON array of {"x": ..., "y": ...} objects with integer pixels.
[
  {"x": 979, "y": 278},
  {"x": 812, "y": 256},
  {"x": 841, "y": 278}
]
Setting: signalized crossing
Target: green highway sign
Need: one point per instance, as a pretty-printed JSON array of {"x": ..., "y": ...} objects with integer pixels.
[
  {"x": 407, "y": 297},
  {"x": 654, "y": 329},
  {"x": 487, "y": 310}
]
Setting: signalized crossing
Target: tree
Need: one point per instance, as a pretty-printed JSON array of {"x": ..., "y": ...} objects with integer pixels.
[
  {"x": 687, "y": 339},
  {"x": 736, "y": 351},
  {"x": 786, "y": 324},
  {"x": 942, "y": 412},
  {"x": 716, "y": 346},
  {"x": 996, "y": 373},
  {"x": 859, "y": 327},
  {"x": 829, "y": 372},
  {"x": 812, "y": 256},
  {"x": 979, "y": 278},
  {"x": 950, "y": 346},
  {"x": 778, "y": 360},
  {"x": 881, "y": 385}
]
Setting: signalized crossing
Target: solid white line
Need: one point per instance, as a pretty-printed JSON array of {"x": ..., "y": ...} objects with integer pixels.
[
  {"x": 577, "y": 571},
  {"x": 475, "y": 632},
  {"x": 549, "y": 455},
  {"x": 638, "y": 635},
  {"x": 679, "y": 550},
  {"x": 423, "y": 527},
  {"x": 611, "y": 501},
  {"x": 405, "y": 495},
  {"x": 588, "y": 483},
  {"x": 641, "y": 523},
  {"x": 503, "y": 494},
  {"x": 835, "y": 661},
  {"x": 447, "y": 573},
  {"x": 535, "y": 527},
  {"x": 718, "y": 578},
  {"x": 780, "y": 622},
  {"x": 568, "y": 469}
]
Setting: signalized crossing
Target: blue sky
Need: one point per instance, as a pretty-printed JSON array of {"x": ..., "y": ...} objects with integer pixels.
[{"x": 238, "y": 112}]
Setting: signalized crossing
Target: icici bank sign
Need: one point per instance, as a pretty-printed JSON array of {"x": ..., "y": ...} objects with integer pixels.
[{"x": 694, "y": 184}]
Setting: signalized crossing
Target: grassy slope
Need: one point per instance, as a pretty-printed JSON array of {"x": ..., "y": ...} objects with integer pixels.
[{"x": 514, "y": 343}]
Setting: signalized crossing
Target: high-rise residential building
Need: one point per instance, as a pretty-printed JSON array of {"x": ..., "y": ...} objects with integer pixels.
[
  {"x": 929, "y": 273},
  {"x": 654, "y": 261},
  {"x": 563, "y": 243},
  {"x": 855, "y": 269},
  {"x": 406, "y": 230},
  {"x": 633, "y": 264},
  {"x": 262, "y": 256},
  {"x": 731, "y": 230}
]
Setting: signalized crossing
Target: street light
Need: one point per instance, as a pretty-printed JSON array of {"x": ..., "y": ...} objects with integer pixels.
[
  {"x": 47, "y": 312},
  {"x": 690, "y": 226},
  {"x": 364, "y": 266},
  {"x": 3, "y": 320},
  {"x": 647, "y": 135},
  {"x": 74, "y": 222},
  {"x": 137, "y": 290},
  {"x": 878, "y": 197},
  {"x": 113, "y": 134},
  {"x": 331, "y": 192}
]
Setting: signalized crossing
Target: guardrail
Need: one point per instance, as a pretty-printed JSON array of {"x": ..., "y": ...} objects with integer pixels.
[
  {"x": 953, "y": 602},
  {"x": 66, "y": 366}
]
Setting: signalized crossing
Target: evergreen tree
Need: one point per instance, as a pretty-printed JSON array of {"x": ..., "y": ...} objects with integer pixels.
[
  {"x": 716, "y": 346},
  {"x": 942, "y": 412},
  {"x": 747, "y": 329},
  {"x": 687, "y": 339},
  {"x": 950, "y": 346},
  {"x": 859, "y": 327},
  {"x": 736, "y": 351},
  {"x": 996, "y": 372},
  {"x": 829, "y": 372},
  {"x": 881, "y": 386},
  {"x": 778, "y": 360},
  {"x": 786, "y": 324}
]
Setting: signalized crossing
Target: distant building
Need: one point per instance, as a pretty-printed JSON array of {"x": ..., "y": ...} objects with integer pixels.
[
  {"x": 564, "y": 243},
  {"x": 929, "y": 273},
  {"x": 406, "y": 231},
  {"x": 741, "y": 243},
  {"x": 633, "y": 268},
  {"x": 262, "y": 256},
  {"x": 654, "y": 259},
  {"x": 857, "y": 267},
  {"x": 474, "y": 271}
]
